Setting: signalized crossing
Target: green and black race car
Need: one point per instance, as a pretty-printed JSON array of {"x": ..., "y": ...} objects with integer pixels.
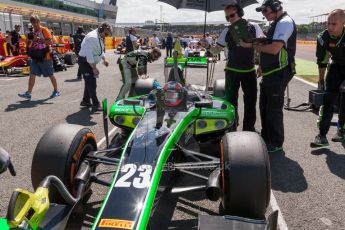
[{"x": 158, "y": 129}]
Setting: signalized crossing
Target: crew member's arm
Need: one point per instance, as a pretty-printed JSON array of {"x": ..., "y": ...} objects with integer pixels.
[
  {"x": 282, "y": 33},
  {"x": 322, "y": 56}
]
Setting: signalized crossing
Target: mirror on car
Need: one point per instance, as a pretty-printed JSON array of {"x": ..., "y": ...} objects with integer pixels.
[
  {"x": 131, "y": 102},
  {"x": 203, "y": 104}
]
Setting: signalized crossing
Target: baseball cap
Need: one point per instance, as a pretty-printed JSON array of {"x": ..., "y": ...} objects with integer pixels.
[{"x": 267, "y": 3}]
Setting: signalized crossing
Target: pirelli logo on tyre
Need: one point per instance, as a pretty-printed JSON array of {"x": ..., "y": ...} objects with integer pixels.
[{"x": 115, "y": 223}]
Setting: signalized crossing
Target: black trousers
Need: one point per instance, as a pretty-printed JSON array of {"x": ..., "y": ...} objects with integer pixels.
[
  {"x": 233, "y": 81},
  {"x": 169, "y": 52},
  {"x": 335, "y": 76},
  {"x": 8, "y": 49},
  {"x": 90, "y": 82},
  {"x": 79, "y": 75},
  {"x": 271, "y": 103}
]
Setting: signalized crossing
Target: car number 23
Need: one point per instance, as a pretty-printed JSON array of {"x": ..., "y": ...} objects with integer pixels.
[{"x": 128, "y": 179}]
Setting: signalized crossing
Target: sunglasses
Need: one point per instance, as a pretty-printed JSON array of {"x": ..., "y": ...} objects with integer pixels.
[{"x": 230, "y": 16}]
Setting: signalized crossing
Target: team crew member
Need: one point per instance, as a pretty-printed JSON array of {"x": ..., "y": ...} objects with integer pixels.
[
  {"x": 332, "y": 41},
  {"x": 277, "y": 58},
  {"x": 78, "y": 39},
  {"x": 40, "y": 52},
  {"x": 134, "y": 65},
  {"x": 131, "y": 41},
  {"x": 15, "y": 37},
  {"x": 240, "y": 69},
  {"x": 90, "y": 54}
]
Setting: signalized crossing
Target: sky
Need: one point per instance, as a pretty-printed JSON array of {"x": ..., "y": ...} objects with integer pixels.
[{"x": 140, "y": 11}]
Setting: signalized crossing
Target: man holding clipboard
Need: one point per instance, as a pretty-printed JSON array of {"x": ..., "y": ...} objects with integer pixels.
[
  {"x": 277, "y": 58},
  {"x": 240, "y": 68}
]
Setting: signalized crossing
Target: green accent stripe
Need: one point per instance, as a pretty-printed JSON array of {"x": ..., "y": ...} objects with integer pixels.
[
  {"x": 240, "y": 70},
  {"x": 145, "y": 215},
  {"x": 273, "y": 71},
  {"x": 283, "y": 57}
]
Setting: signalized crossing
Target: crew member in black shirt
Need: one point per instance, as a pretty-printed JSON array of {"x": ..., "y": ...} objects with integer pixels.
[{"x": 331, "y": 44}]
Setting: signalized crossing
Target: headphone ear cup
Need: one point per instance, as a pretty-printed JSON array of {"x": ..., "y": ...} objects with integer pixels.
[
  {"x": 276, "y": 7},
  {"x": 240, "y": 12}
]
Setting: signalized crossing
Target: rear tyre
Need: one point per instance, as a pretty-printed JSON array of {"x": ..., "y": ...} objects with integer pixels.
[
  {"x": 245, "y": 175},
  {"x": 60, "y": 152},
  {"x": 144, "y": 86},
  {"x": 219, "y": 88}
]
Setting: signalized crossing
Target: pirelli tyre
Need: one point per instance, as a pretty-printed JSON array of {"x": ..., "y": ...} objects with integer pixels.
[
  {"x": 70, "y": 58},
  {"x": 245, "y": 175},
  {"x": 59, "y": 153},
  {"x": 143, "y": 86},
  {"x": 219, "y": 88}
]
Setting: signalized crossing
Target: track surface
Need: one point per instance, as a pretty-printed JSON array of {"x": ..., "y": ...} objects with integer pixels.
[{"x": 308, "y": 184}]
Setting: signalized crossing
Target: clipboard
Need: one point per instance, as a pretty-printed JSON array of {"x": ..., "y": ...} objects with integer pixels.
[{"x": 239, "y": 30}]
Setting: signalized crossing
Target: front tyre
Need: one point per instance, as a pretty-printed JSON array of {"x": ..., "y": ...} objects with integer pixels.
[
  {"x": 245, "y": 175},
  {"x": 60, "y": 152}
]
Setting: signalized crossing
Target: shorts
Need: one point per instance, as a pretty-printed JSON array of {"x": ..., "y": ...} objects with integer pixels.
[{"x": 44, "y": 68}]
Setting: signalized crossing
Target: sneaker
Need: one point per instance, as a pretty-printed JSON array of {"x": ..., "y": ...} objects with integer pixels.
[
  {"x": 339, "y": 136},
  {"x": 274, "y": 149},
  {"x": 25, "y": 95},
  {"x": 319, "y": 141},
  {"x": 55, "y": 94},
  {"x": 96, "y": 108},
  {"x": 85, "y": 104}
]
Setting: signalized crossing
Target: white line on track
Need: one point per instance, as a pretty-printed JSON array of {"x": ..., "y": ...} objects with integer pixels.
[
  {"x": 9, "y": 79},
  {"x": 281, "y": 221},
  {"x": 306, "y": 82},
  {"x": 100, "y": 142},
  {"x": 103, "y": 139}
]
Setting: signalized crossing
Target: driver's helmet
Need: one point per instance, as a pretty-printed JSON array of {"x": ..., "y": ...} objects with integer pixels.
[{"x": 173, "y": 93}]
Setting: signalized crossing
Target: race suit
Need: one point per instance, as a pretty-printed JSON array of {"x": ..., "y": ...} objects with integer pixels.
[{"x": 132, "y": 65}]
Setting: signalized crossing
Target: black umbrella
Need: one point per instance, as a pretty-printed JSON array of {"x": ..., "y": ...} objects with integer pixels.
[{"x": 206, "y": 5}]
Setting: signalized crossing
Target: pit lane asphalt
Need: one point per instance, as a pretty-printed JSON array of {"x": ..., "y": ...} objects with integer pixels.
[{"x": 308, "y": 185}]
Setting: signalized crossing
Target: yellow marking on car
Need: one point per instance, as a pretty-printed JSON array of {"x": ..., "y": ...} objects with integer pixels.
[{"x": 116, "y": 223}]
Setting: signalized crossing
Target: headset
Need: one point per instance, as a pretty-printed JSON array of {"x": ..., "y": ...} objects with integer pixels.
[
  {"x": 276, "y": 5},
  {"x": 240, "y": 11},
  {"x": 103, "y": 27}
]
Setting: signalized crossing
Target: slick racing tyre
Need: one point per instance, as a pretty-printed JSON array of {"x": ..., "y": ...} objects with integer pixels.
[
  {"x": 245, "y": 175},
  {"x": 219, "y": 88},
  {"x": 144, "y": 86},
  {"x": 60, "y": 152}
]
